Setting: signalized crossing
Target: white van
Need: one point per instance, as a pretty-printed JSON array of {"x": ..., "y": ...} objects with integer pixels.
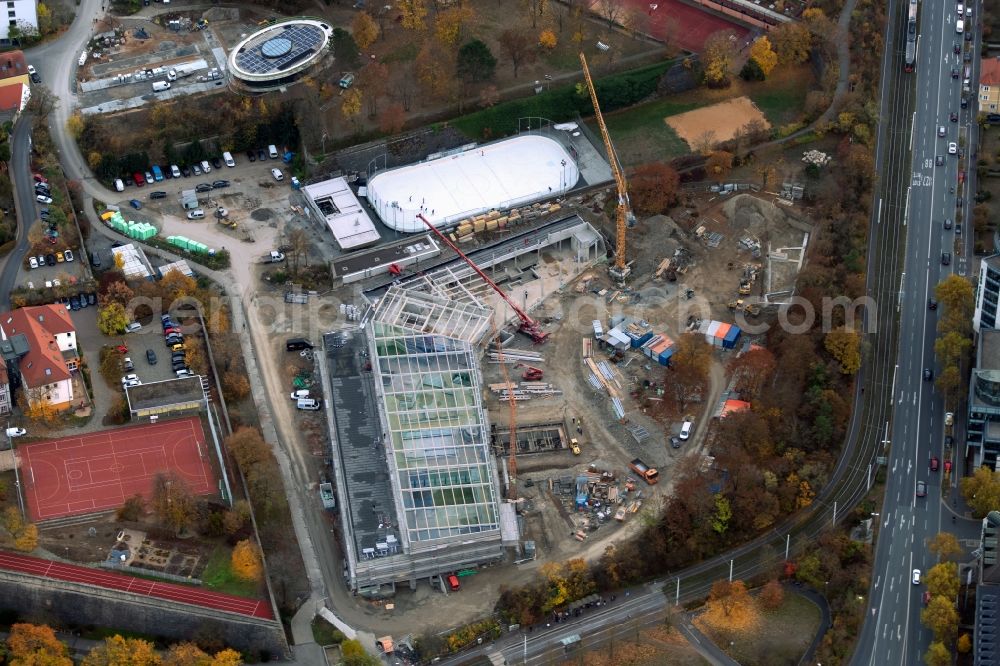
[
  {"x": 960, "y": 26},
  {"x": 196, "y": 214},
  {"x": 206, "y": 167},
  {"x": 227, "y": 157},
  {"x": 309, "y": 404},
  {"x": 119, "y": 185},
  {"x": 686, "y": 428},
  {"x": 160, "y": 86},
  {"x": 175, "y": 171},
  {"x": 272, "y": 151}
]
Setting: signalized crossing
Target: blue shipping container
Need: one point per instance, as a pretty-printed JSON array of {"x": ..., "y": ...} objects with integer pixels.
[
  {"x": 641, "y": 340},
  {"x": 664, "y": 357},
  {"x": 731, "y": 337}
]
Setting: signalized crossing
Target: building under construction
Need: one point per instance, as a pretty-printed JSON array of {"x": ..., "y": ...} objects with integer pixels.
[{"x": 412, "y": 447}]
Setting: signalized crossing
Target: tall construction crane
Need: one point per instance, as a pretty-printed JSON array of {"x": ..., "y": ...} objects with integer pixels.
[
  {"x": 528, "y": 326},
  {"x": 624, "y": 217}
]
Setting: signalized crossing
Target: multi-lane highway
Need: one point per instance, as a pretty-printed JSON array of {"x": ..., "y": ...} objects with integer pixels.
[{"x": 924, "y": 143}]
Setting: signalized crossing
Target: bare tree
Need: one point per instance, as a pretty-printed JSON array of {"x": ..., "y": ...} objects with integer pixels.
[
  {"x": 613, "y": 10},
  {"x": 298, "y": 247},
  {"x": 518, "y": 47}
]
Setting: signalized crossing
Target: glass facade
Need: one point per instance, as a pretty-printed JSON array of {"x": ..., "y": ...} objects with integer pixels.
[{"x": 443, "y": 474}]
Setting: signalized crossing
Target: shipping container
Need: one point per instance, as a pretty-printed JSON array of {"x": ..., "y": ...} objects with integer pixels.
[
  {"x": 713, "y": 326},
  {"x": 732, "y": 337},
  {"x": 598, "y": 329},
  {"x": 720, "y": 334},
  {"x": 664, "y": 357}
]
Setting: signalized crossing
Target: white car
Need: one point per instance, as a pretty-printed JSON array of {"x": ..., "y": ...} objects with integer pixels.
[
  {"x": 16, "y": 432},
  {"x": 206, "y": 167},
  {"x": 301, "y": 393},
  {"x": 132, "y": 327},
  {"x": 277, "y": 174},
  {"x": 686, "y": 429},
  {"x": 952, "y": 148},
  {"x": 130, "y": 380},
  {"x": 68, "y": 255},
  {"x": 41, "y": 198},
  {"x": 942, "y": 130},
  {"x": 916, "y": 577},
  {"x": 196, "y": 214},
  {"x": 33, "y": 262},
  {"x": 31, "y": 69}
]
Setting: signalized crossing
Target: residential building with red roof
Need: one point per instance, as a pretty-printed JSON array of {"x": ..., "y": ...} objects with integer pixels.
[
  {"x": 46, "y": 370},
  {"x": 989, "y": 85},
  {"x": 13, "y": 99},
  {"x": 13, "y": 67}
]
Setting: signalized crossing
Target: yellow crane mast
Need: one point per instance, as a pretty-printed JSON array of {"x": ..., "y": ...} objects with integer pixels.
[{"x": 625, "y": 217}]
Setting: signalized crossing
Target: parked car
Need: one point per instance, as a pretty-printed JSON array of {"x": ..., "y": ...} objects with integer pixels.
[
  {"x": 196, "y": 214},
  {"x": 158, "y": 195},
  {"x": 74, "y": 303},
  {"x": 16, "y": 432},
  {"x": 261, "y": 155},
  {"x": 83, "y": 299},
  {"x": 151, "y": 357},
  {"x": 916, "y": 577},
  {"x": 68, "y": 254},
  {"x": 135, "y": 203},
  {"x": 50, "y": 259},
  {"x": 92, "y": 298},
  {"x": 150, "y": 178},
  {"x": 129, "y": 365},
  {"x": 32, "y": 262},
  {"x": 60, "y": 257},
  {"x": 130, "y": 380},
  {"x": 41, "y": 198},
  {"x": 172, "y": 330},
  {"x": 276, "y": 173},
  {"x": 132, "y": 327},
  {"x": 95, "y": 259},
  {"x": 216, "y": 163},
  {"x": 140, "y": 180},
  {"x": 206, "y": 167},
  {"x": 185, "y": 171},
  {"x": 203, "y": 187},
  {"x": 219, "y": 184},
  {"x": 195, "y": 169},
  {"x": 251, "y": 156}
]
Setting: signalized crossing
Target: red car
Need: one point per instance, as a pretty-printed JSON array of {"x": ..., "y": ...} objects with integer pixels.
[
  {"x": 168, "y": 331},
  {"x": 947, "y": 465},
  {"x": 138, "y": 178},
  {"x": 927, "y": 597},
  {"x": 934, "y": 463},
  {"x": 39, "y": 178}
]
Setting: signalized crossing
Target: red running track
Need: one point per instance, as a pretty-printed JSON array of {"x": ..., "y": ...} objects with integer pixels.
[
  {"x": 100, "y": 470},
  {"x": 115, "y": 581},
  {"x": 680, "y": 23}
]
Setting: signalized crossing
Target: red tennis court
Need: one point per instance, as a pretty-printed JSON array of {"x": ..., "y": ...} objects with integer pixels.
[
  {"x": 98, "y": 471},
  {"x": 679, "y": 23}
]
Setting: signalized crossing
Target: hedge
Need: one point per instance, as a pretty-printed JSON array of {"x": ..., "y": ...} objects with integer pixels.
[{"x": 565, "y": 102}]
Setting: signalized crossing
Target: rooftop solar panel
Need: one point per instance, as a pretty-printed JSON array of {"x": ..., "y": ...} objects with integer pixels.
[{"x": 280, "y": 48}]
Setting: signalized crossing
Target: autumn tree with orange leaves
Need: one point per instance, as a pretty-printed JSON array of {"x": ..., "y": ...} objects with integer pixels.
[{"x": 731, "y": 608}]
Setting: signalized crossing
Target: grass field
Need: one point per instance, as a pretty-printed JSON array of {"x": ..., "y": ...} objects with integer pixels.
[
  {"x": 640, "y": 134},
  {"x": 218, "y": 575},
  {"x": 782, "y": 637}
]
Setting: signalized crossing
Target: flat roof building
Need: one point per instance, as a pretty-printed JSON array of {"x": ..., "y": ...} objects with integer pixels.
[
  {"x": 332, "y": 200},
  {"x": 279, "y": 54}
]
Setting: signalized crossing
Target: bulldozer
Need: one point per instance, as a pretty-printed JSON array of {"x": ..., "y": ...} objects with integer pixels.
[{"x": 749, "y": 308}]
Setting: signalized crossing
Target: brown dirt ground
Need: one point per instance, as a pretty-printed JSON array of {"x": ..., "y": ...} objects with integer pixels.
[{"x": 721, "y": 120}]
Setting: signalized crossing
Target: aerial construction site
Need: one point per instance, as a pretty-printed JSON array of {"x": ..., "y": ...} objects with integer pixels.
[{"x": 498, "y": 397}]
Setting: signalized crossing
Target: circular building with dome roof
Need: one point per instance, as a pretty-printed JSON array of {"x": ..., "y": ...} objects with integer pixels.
[{"x": 279, "y": 54}]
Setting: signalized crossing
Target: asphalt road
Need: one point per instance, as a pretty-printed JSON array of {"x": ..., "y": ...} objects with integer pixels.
[
  {"x": 916, "y": 197},
  {"x": 24, "y": 199}
]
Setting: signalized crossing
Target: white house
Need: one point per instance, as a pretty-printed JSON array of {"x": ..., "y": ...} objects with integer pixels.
[{"x": 20, "y": 13}]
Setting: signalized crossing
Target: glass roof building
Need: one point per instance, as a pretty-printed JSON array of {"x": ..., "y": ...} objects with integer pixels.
[{"x": 428, "y": 386}]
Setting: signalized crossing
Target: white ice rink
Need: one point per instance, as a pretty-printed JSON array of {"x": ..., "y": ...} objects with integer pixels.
[{"x": 450, "y": 188}]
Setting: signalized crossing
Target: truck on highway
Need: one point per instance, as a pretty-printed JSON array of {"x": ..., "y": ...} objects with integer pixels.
[{"x": 648, "y": 474}]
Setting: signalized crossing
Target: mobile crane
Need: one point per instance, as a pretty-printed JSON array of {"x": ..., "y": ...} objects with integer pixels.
[
  {"x": 625, "y": 218},
  {"x": 528, "y": 326}
]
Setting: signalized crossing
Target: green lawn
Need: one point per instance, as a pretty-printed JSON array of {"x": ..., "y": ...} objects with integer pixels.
[
  {"x": 782, "y": 102},
  {"x": 640, "y": 134},
  {"x": 218, "y": 575},
  {"x": 404, "y": 53},
  {"x": 325, "y": 634}
]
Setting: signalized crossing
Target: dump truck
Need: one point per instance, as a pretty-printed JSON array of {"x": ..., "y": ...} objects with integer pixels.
[{"x": 648, "y": 474}]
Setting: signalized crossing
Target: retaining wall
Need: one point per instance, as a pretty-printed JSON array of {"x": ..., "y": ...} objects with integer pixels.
[{"x": 81, "y": 605}]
